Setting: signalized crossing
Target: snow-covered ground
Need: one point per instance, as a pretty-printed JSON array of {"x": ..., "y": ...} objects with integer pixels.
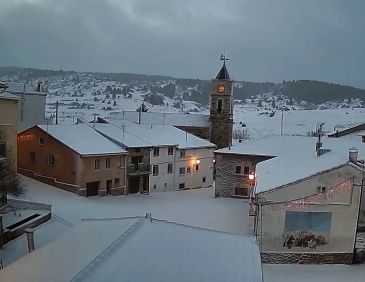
[{"x": 191, "y": 207}]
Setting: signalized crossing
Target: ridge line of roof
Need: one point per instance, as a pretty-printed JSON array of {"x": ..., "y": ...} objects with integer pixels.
[
  {"x": 107, "y": 250},
  {"x": 302, "y": 179}
]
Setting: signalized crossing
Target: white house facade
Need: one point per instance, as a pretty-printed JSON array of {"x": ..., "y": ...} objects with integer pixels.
[{"x": 32, "y": 107}]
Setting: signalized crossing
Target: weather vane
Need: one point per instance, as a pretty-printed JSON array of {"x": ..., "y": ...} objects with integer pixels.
[{"x": 224, "y": 57}]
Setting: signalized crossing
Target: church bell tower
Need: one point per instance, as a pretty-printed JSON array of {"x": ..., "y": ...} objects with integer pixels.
[{"x": 221, "y": 108}]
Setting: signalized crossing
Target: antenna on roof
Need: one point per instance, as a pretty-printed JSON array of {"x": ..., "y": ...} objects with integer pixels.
[{"x": 319, "y": 143}]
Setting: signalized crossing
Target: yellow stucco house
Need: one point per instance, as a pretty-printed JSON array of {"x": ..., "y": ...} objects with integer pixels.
[{"x": 8, "y": 123}]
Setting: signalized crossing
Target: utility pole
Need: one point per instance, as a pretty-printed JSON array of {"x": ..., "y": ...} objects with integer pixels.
[
  {"x": 57, "y": 112},
  {"x": 281, "y": 122}
]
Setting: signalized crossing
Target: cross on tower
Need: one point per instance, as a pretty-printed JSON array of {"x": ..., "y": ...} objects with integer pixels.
[{"x": 224, "y": 57}]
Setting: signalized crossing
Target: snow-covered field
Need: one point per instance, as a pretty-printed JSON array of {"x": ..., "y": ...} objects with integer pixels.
[{"x": 298, "y": 122}]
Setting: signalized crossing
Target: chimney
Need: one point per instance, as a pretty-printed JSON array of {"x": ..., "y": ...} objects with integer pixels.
[
  {"x": 353, "y": 154},
  {"x": 30, "y": 239},
  {"x": 39, "y": 86},
  {"x": 149, "y": 215}
]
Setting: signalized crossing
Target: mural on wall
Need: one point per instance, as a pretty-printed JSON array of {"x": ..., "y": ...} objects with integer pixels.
[{"x": 306, "y": 229}]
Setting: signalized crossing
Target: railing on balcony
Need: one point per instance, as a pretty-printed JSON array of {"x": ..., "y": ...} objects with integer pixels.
[{"x": 137, "y": 169}]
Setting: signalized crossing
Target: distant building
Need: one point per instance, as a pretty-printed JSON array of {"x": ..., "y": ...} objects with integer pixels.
[
  {"x": 307, "y": 200},
  {"x": 32, "y": 106},
  {"x": 216, "y": 127},
  {"x": 72, "y": 157},
  {"x": 8, "y": 123}
]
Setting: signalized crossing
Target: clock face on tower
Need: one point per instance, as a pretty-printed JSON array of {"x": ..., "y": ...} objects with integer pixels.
[{"x": 220, "y": 88}]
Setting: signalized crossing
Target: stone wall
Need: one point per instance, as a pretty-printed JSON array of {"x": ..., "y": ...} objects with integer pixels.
[
  {"x": 226, "y": 178},
  {"x": 49, "y": 181},
  {"x": 307, "y": 258}
]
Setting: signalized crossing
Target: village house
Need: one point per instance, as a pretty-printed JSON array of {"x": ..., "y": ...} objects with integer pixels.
[
  {"x": 307, "y": 198},
  {"x": 161, "y": 157},
  {"x": 8, "y": 123},
  {"x": 32, "y": 105},
  {"x": 72, "y": 157}
]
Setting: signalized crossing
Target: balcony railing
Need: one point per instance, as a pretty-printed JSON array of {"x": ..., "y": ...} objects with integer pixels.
[{"x": 137, "y": 169}]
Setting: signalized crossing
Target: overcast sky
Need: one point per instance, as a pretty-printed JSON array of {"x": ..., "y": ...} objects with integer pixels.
[{"x": 271, "y": 40}]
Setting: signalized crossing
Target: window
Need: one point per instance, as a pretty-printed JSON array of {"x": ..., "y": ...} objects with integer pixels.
[
  {"x": 41, "y": 140},
  {"x": 171, "y": 151},
  {"x": 32, "y": 157},
  {"x": 116, "y": 182},
  {"x": 220, "y": 106},
  {"x": 165, "y": 185},
  {"x": 181, "y": 185},
  {"x": 182, "y": 154},
  {"x": 238, "y": 169},
  {"x": 156, "y": 152},
  {"x": 188, "y": 168},
  {"x": 50, "y": 160},
  {"x": 2, "y": 149},
  {"x": 241, "y": 191},
  {"x": 97, "y": 164},
  {"x": 107, "y": 163},
  {"x": 197, "y": 167},
  {"x": 204, "y": 179},
  {"x": 246, "y": 170},
  {"x": 155, "y": 170},
  {"x": 137, "y": 150},
  {"x": 182, "y": 170},
  {"x": 169, "y": 168},
  {"x": 321, "y": 189},
  {"x": 154, "y": 186}
]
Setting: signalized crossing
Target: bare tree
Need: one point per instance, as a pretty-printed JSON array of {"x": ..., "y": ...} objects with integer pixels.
[
  {"x": 10, "y": 182},
  {"x": 240, "y": 134}
]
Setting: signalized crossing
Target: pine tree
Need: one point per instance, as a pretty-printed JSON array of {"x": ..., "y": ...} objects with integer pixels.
[{"x": 10, "y": 182}]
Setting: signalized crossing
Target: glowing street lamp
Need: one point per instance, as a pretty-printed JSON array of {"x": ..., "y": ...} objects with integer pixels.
[
  {"x": 197, "y": 162},
  {"x": 251, "y": 176}
]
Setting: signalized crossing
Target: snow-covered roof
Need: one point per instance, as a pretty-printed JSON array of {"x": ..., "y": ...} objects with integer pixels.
[
  {"x": 83, "y": 139},
  {"x": 138, "y": 249},
  {"x": 294, "y": 157},
  {"x": 8, "y": 96},
  {"x": 16, "y": 87},
  {"x": 176, "y": 119},
  {"x": 141, "y": 135}
]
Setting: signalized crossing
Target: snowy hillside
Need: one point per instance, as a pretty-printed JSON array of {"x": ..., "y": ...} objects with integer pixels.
[{"x": 95, "y": 94}]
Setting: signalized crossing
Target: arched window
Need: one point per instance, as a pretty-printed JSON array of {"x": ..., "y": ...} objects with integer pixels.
[{"x": 220, "y": 106}]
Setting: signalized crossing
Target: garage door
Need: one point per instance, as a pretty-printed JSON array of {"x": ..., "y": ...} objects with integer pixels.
[{"x": 92, "y": 188}]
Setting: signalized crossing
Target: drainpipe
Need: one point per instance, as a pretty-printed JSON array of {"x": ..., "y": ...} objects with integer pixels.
[
  {"x": 1, "y": 232},
  {"x": 125, "y": 176}
]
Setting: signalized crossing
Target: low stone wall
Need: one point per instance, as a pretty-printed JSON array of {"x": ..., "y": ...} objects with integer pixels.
[
  {"x": 307, "y": 258},
  {"x": 48, "y": 180},
  {"x": 20, "y": 230}
]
